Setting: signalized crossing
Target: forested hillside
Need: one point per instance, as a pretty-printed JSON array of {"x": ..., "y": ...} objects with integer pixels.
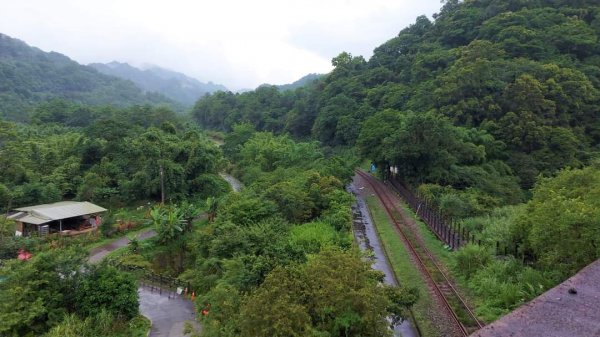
[
  {"x": 488, "y": 91},
  {"x": 490, "y": 112},
  {"x": 174, "y": 85},
  {"x": 105, "y": 154},
  {"x": 29, "y": 76},
  {"x": 302, "y": 82}
]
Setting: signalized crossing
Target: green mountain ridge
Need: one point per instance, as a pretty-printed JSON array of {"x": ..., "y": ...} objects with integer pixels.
[
  {"x": 302, "y": 82},
  {"x": 29, "y": 76},
  {"x": 526, "y": 74},
  {"x": 174, "y": 85}
]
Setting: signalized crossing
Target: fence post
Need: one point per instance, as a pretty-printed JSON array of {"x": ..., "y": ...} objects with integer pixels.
[{"x": 497, "y": 247}]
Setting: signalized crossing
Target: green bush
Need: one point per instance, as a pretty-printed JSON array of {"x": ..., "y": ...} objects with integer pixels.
[
  {"x": 470, "y": 259},
  {"x": 311, "y": 237},
  {"x": 105, "y": 287}
]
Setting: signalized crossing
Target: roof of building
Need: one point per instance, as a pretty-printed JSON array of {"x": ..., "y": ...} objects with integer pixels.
[
  {"x": 570, "y": 309},
  {"x": 41, "y": 214}
]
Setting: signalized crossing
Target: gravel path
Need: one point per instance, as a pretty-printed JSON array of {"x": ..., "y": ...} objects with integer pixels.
[{"x": 367, "y": 238}]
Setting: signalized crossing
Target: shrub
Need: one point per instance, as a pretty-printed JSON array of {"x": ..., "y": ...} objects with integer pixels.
[
  {"x": 470, "y": 259},
  {"x": 108, "y": 288}
]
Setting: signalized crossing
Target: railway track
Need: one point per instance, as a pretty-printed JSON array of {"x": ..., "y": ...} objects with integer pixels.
[{"x": 462, "y": 316}]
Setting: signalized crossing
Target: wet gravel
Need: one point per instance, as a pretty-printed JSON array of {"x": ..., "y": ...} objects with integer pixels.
[
  {"x": 368, "y": 240},
  {"x": 437, "y": 314}
]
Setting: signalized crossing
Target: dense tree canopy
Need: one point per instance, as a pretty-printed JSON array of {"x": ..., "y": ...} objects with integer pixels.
[
  {"x": 525, "y": 73},
  {"x": 110, "y": 155}
]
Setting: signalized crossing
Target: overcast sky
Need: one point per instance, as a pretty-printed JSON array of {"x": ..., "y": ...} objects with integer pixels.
[{"x": 240, "y": 44}]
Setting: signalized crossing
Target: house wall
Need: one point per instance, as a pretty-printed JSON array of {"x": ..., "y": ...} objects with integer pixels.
[{"x": 19, "y": 229}]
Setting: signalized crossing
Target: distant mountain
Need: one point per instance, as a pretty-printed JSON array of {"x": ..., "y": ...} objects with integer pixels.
[
  {"x": 308, "y": 79},
  {"x": 176, "y": 86},
  {"x": 29, "y": 76}
]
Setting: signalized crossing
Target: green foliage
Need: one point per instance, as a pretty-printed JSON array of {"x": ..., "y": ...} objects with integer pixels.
[
  {"x": 470, "y": 259},
  {"x": 334, "y": 293},
  {"x": 107, "y": 288},
  {"x": 505, "y": 284},
  {"x": 562, "y": 220},
  {"x": 114, "y": 157},
  {"x": 168, "y": 222},
  {"x": 37, "y": 293},
  {"x": 102, "y": 323},
  {"x": 312, "y": 237},
  {"x": 518, "y": 83}
]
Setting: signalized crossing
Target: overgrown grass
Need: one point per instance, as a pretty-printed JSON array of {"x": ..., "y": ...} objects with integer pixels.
[
  {"x": 496, "y": 288},
  {"x": 404, "y": 270}
]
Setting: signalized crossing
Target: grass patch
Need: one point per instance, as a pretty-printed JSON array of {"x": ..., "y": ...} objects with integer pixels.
[
  {"x": 138, "y": 326},
  {"x": 444, "y": 256},
  {"x": 406, "y": 273}
]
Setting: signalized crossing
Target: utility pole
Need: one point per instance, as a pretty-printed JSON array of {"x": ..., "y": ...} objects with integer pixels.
[{"x": 162, "y": 184}]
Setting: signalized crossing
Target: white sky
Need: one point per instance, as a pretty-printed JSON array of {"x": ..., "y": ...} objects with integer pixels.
[{"x": 240, "y": 44}]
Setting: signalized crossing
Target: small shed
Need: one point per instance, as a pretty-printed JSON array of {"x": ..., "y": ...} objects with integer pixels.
[{"x": 65, "y": 217}]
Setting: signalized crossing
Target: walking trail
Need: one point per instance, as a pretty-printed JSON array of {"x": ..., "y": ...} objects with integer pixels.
[{"x": 168, "y": 314}]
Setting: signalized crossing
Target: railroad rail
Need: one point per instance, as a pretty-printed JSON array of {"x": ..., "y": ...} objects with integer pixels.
[{"x": 462, "y": 315}]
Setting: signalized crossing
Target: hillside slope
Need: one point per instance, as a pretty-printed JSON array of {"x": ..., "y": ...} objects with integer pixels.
[
  {"x": 523, "y": 75},
  {"x": 29, "y": 76},
  {"x": 174, "y": 85}
]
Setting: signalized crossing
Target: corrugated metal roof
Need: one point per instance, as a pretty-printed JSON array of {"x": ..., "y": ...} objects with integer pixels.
[
  {"x": 60, "y": 210},
  {"x": 570, "y": 309},
  {"x": 25, "y": 217}
]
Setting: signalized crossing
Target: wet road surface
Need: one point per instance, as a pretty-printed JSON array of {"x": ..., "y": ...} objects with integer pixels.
[
  {"x": 168, "y": 314},
  {"x": 367, "y": 238}
]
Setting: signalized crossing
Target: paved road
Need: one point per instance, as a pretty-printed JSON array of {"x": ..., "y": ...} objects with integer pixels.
[
  {"x": 235, "y": 184},
  {"x": 98, "y": 253},
  {"x": 168, "y": 315}
]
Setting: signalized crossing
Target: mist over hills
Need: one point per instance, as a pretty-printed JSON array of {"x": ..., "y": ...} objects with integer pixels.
[
  {"x": 304, "y": 81},
  {"x": 29, "y": 76},
  {"x": 174, "y": 85}
]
